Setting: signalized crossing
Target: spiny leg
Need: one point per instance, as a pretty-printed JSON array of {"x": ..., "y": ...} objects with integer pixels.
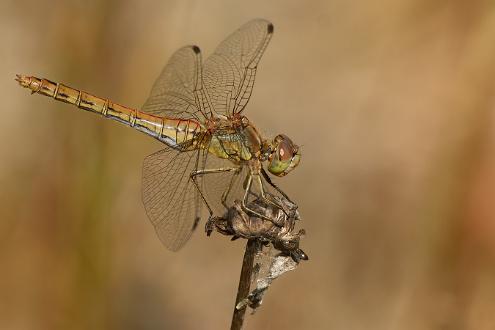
[
  {"x": 267, "y": 178},
  {"x": 245, "y": 199},
  {"x": 194, "y": 174},
  {"x": 265, "y": 196}
]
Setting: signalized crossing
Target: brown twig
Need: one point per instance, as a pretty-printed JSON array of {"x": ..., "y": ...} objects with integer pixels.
[{"x": 252, "y": 247}]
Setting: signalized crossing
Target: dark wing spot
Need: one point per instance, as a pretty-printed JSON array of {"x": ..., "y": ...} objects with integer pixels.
[
  {"x": 196, "y": 49},
  {"x": 270, "y": 28}
]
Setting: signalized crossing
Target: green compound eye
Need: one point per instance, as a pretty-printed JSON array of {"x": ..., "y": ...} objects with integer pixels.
[{"x": 284, "y": 157}]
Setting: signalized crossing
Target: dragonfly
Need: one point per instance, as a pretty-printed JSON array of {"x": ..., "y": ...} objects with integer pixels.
[{"x": 214, "y": 155}]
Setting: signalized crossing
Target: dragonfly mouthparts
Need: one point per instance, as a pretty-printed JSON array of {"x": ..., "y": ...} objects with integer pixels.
[{"x": 23, "y": 80}]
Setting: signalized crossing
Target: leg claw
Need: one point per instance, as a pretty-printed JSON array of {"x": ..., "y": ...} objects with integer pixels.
[{"x": 209, "y": 226}]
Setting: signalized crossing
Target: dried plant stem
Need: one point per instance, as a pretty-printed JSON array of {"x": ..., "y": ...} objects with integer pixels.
[{"x": 252, "y": 247}]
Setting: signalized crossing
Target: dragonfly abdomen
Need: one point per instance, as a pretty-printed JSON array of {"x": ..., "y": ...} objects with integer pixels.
[{"x": 171, "y": 131}]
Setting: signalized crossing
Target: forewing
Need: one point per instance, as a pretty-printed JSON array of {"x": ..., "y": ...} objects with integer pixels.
[
  {"x": 170, "y": 198},
  {"x": 230, "y": 71},
  {"x": 178, "y": 91}
]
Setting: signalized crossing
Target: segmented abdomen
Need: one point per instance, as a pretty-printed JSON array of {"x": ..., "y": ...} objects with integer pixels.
[{"x": 176, "y": 133}]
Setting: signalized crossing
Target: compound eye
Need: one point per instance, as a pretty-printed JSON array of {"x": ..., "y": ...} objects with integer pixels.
[{"x": 285, "y": 151}]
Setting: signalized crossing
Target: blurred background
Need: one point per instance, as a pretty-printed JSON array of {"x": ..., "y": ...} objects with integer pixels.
[{"x": 393, "y": 102}]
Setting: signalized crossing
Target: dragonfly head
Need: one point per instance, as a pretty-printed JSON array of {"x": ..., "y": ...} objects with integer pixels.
[{"x": 284, "y": 156}]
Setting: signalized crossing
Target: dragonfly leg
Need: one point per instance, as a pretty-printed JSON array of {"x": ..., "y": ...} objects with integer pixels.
[
  {"x": 267, "y": 178},
  {"x": 209, "y": 224},
  {"x": 245, "y": 199},
  {"x": 226, "y": 193},
  {"x": 265, "y": 196}
]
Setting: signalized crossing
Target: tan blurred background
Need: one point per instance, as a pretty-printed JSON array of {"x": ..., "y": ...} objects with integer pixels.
[{"x": 393, "y": 102}]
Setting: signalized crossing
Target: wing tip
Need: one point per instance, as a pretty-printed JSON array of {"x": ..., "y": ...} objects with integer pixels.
[{"x": 270, "y": 28}]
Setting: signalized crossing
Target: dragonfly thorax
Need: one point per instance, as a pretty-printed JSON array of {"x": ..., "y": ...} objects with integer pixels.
[{"x": 237, "y": 141}]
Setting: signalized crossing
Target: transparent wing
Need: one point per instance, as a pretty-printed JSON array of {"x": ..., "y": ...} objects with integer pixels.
[
  {"x": 170, "y": 198},
  {"x": 230, "y": 71},
  {"x": 178, "y": 91},
  {"x": 216, "y": 185}
]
